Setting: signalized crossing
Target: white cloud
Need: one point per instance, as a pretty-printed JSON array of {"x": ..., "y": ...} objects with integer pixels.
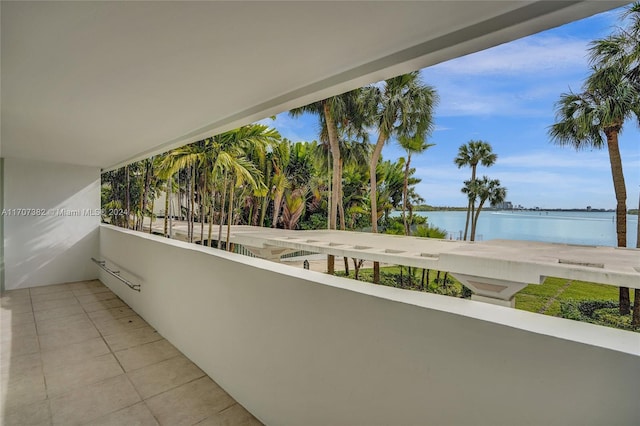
[
  {"x": 549, "y": 159},
  {"x": 531, "y": 55}
]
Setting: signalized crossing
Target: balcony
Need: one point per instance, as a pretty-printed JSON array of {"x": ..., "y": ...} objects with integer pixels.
[{"x": 91, "y": 86}]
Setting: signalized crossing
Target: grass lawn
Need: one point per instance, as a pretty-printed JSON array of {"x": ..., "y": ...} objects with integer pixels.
[{"x": 545, "y": 298}]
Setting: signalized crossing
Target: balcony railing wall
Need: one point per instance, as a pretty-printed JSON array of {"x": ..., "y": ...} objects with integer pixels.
[{"x": 300, "y": 347}]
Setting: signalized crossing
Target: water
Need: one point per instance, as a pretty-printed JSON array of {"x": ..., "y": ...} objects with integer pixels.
[{"x": 587, "y": 228}]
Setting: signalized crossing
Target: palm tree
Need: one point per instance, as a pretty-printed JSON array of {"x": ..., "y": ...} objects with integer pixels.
[
  {"x": 186, "y": 158},
  {"x": 594, "y": 118},
  {"x": 471, "y": 154},
  {"x": 279, "y": 181},
  {"x": 294, "y": 205},
  {"x": 328, "y": 110},
  {"x": 404, "y": 107},
  {"x": 622, "y": 48},
  {"x": 344, "y": 114},
  {"x": 412, "y": 145},
  {"x": 237, "y": 169},
  {"x": 221, "y": 155},
  {"x": 485, "y": 189},
  {"x": 391, "y": 178}
]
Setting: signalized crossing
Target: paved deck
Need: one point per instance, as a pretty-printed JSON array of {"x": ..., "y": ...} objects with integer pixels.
[
  {"x": 76, "y": 354},
  {"x": 508, "y": 260}
]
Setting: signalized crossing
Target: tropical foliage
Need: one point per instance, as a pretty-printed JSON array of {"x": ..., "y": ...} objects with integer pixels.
[{"x": 253, "y": 176}]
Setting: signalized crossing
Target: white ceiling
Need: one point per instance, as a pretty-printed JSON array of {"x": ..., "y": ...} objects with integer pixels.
[{"x": 103, "y": 83}]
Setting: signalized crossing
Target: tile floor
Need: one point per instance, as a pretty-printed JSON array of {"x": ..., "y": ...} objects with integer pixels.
[{"x": 76, "y": 354}]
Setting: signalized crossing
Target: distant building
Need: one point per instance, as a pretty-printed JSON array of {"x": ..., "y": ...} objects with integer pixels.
[
  {"x": 505, "y": 205},
  {"x": 588, "y": 208}
]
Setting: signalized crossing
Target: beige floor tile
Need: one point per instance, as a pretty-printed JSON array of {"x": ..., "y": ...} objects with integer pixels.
[
  {"x": 16, "y": 390},
  {"x": 236, "y": 415},
  {"x": 136, "y": 415},
  {"x": 12, "y": 319},
  {"x": 86, "y": 284},
  {"x": 56, "y": 303},
  {"x": 34, "y": 414},
  {"x": 120, "y": 325},
  {"x": 64, "y": 338},
  {"x": 165, "y": 375},
  {"x": 84, "y": 291},
  {"x": 80, "y": 317},
  {"x": 64, "y": 294},
  {"x": 62, "y": 379},
  {"x": 64, "y": 311},
  {"x": 77, "y": 380},
  {"x": 16, "y": 315},
  {"x": 189, "y": 403},
  {"x": 94, "y": 401},
  {"x": 48, "y": 289},
  {"x": 15, "y": 293},
  {"x": 145, "y": 355},
  {"x": 18, "y": 346},
  {"x": 103, "y": 304},
  {"x": 20, "y": 365},
  {"x": 114, "y": 313},
  {"x": 68, "y": 323},
  {"x": 22, "y": 330},
  {"x": 17, "y": 308},
  {"x": 71, "y": 354},
  {"x": 12, "y": 302},
  {"x": 96, "y": 297},
  {"x": 132, "y": 338}
]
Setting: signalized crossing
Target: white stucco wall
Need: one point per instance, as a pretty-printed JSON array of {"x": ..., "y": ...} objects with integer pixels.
[
  {"x": 297, "y": 347},
  {"x": 55, "y": 247}
]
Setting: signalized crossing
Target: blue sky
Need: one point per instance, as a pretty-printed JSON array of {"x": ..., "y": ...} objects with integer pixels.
[{"x": 506, "y": 95}]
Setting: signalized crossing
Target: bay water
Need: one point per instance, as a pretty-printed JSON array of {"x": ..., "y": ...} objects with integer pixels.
[{"x": 584, "y": 228}]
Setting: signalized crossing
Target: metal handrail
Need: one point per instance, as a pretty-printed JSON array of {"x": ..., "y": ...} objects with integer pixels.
[{"x": 103, "y": 265}]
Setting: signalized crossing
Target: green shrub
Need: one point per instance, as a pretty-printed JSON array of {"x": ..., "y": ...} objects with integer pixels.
[
  {"x": 600, "y": 312},
  {"x": 429, "y": 232}
]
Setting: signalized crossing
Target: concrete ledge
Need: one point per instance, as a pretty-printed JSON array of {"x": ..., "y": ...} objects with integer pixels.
[{"x": 300, "y": 347}]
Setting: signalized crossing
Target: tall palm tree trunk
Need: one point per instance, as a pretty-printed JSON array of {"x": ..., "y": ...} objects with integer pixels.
[
  {"x": 171, "y": 209},
  {"x": 189, "y": 211},
  {"x": 145, "y": 194},
  {"x": 474, "y": 222},
  {"x": 127, "y": 196},
  {"x": 466, "y": 223},
  {"x": 471, "y": 205},
  {"x": 375, "y": 156},
  {"x": 192, "y": 218},
  {"x": 636, "y": 293},
  {"x": 620, "y": 190},
  {"x": 335, "y": 155},
  {"x": 222, "y": 204},
  {"x": 232, "y": 191},
  {"x": 336, "y": 178},
  {"x": 153, "y": 203},
  {"x": 167, "y": 197},
  {"x": 405, "y": 191},
  {"x": 201, "y": 219},
  {"x": 211, "y": 211},
  {"x": 201, "y": 206},
  {"x": 263, "y": 210}
]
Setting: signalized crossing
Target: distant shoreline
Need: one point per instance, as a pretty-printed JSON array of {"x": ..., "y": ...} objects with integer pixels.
[{"x": 427, "y": 208}]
